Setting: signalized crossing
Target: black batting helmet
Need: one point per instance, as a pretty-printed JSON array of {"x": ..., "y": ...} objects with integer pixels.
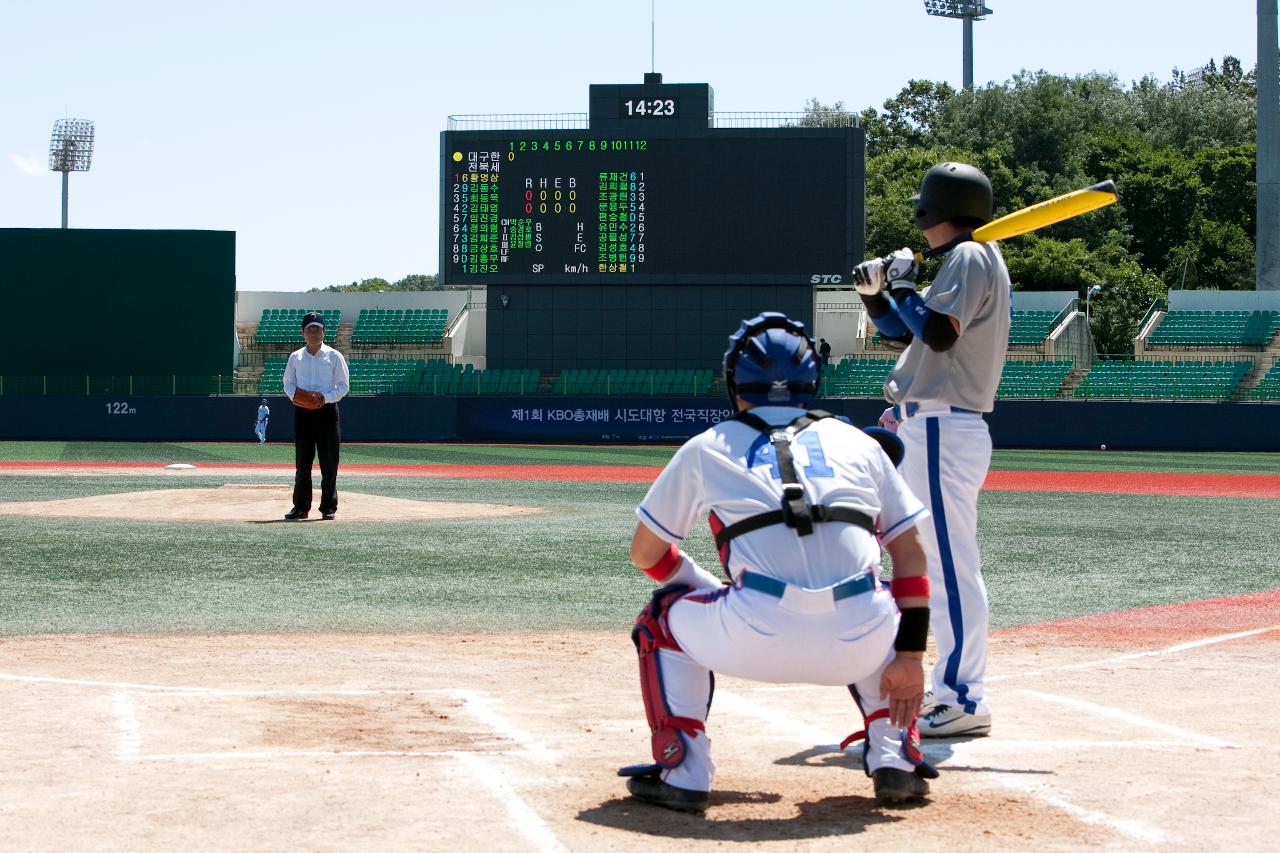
[{"x": 955, "y": 192}]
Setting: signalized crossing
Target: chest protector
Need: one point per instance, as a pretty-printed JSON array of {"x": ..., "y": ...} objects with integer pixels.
[{"x": 795, "y": 512}]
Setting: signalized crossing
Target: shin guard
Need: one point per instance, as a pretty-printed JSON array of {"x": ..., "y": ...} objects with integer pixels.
[{"x": 669, "y": 732}]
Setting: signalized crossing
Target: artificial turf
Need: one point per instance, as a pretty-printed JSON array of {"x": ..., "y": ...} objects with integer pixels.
[{"x": 1046, "y": 556}]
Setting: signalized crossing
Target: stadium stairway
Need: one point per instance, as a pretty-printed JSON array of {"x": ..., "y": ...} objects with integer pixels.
[
  {"x": 1074, "y": 377},
  {"x": 1261, "y": 365}
]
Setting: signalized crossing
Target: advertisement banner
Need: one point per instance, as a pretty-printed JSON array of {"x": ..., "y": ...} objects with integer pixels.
[{"x": 661, "y": 420}]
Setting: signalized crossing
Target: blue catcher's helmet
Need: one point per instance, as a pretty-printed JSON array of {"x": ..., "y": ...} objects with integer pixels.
[{"x": 771, "y": 361}]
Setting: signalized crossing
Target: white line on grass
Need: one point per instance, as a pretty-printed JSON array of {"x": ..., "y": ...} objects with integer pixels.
[
  {"x": 1134, "y": 829},
  {"x": 1170, "y": 650},
  {"x": 1132, "y": 719},
  {"x": 526, "y": 820},
  {"x": 127, "y": 726}
]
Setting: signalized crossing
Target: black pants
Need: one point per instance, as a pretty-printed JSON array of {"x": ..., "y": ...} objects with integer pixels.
[{"x": 316, "y": 433}]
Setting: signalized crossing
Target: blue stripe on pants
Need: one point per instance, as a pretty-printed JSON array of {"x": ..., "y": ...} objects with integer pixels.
[{"x": 938, "y": 509}]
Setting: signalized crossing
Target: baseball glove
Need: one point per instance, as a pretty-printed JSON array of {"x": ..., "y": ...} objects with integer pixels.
[{"x": 308, "y": 399}]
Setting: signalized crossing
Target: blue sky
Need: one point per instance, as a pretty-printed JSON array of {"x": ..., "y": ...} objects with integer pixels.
[{"x": 312, "y": 129}]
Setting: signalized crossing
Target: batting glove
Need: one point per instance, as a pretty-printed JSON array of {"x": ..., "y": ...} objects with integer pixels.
[
  {"x": 900, "y": 270},
  {"x": 868, "y": 277}
]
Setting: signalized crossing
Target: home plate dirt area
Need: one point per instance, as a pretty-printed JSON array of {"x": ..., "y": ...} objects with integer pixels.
[{"x": 1148, "y": 730}]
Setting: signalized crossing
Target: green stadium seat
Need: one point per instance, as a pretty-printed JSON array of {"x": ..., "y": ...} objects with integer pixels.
[{"x": 1177, "y": 380}]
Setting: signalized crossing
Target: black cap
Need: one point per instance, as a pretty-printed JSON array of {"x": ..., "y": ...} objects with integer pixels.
[{"x": 312, "y": 318}]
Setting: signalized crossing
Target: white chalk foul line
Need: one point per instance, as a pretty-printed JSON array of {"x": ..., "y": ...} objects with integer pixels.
[
  {"x": 480, "y": 707},
  {"x": 1192, "y": 738},
  {"x": 526, "y": 820},
  {"x": 1134, "y": 829},
  {"x": 477, "y": 705},
  {"x": 130, "y": 732},
  {"x": 1170, "y": 650}
]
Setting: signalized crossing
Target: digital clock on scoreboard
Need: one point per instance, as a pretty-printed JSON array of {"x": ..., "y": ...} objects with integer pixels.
[
  {"x": 656, "y": 107},
  {"x": 731, "y": 206}
]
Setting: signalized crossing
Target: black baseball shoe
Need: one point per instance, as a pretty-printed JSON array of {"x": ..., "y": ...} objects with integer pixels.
[
  {"x": 651, "y": 789},
  {"x": 898, "y": 786},
  {"x": 296, "y": 514},
  {"x": 328, "y": 516}
]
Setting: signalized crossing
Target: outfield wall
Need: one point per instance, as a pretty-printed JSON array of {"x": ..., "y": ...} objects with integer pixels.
[
  {"x": 1015, "y": 423},
  {"x": 118, "y": 302}
]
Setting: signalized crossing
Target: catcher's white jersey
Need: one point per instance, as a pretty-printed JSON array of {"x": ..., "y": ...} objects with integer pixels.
[
  {"x": 806, "y": 633},
  {"x": 730, "y": 473}
]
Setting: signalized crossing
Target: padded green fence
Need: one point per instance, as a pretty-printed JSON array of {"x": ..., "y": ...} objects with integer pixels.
[
  {"x": 133, "y": 386},
  {"x": 1164, "y": 380}
]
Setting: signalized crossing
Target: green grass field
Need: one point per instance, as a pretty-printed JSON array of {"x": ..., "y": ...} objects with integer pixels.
[{"x": 1047, "y": 555}]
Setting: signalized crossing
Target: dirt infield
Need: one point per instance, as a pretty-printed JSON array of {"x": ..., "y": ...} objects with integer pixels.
[
  {"x": 424, "y": 742},
  {"x": 251, "y": 503}
]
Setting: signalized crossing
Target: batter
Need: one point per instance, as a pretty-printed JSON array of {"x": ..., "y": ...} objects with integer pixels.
[{"x": 956, "y": 336}]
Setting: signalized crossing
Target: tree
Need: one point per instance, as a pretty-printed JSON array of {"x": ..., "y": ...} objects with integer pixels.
[
  {"x": 1128, "y": 292},
  {"x": 817, "y": 114},
  {"x": 909, "y": 119},
  {"x": 413, "y": 282},
  {"x": 417, "y": 281},
  {"x": 368, "y": 284}
]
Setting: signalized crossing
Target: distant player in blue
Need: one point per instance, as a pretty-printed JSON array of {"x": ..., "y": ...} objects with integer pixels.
[{"x": 260, "y": 426}]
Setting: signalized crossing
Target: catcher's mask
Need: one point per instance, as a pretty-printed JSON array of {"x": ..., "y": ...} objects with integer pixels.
[{"x": 771, "y": 361}]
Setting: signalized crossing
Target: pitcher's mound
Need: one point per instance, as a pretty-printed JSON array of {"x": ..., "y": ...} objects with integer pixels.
[{"x": 237, "y": 502}]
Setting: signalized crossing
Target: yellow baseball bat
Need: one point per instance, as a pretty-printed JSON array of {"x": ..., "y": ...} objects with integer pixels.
[{"x": 1035, "y": 217}]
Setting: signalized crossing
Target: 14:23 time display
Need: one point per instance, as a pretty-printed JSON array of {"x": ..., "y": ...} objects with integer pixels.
[{"x": 654, "y": 107}]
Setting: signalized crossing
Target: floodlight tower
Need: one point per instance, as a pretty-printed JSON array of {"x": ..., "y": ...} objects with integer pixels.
[
  {"x": 1267, "y": 258},
  {"x": 967, "y": 11},
  {"x": 70, "y": 150}
]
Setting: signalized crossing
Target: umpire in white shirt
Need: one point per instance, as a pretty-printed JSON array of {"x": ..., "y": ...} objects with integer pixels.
[{"x": 316, "y": 372}]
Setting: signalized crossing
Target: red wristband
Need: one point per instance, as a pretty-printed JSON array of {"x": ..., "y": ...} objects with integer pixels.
[
  {"x": 663, "y": 569},
  {"x": 909, "y": 587}
]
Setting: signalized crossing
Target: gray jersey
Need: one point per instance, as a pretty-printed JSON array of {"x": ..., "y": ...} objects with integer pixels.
[{"x": 973, "y": 287}]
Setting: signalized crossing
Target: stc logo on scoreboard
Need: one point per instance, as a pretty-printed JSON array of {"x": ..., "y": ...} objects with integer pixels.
[{"x": 826, "y": 279}]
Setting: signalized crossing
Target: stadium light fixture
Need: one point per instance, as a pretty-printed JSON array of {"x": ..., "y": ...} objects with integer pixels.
[
  {"x": 1093, "y": 291},
  {"x": 967, "y": 11},
  {"x": 70, "y": 150}
]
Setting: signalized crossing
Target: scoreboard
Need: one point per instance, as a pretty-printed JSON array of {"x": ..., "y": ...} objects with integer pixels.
[{"x": 651, "y": 206}]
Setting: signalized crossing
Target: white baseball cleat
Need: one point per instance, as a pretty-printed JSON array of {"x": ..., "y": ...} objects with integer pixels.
[
  {"x": 949, "y": 721},
  {"x": 927, "y": 705}
]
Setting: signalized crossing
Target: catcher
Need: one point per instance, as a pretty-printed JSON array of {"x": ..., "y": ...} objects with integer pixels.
[
  {"x": 796, "y": 500},
  {"x": 315, "y": 379}
]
